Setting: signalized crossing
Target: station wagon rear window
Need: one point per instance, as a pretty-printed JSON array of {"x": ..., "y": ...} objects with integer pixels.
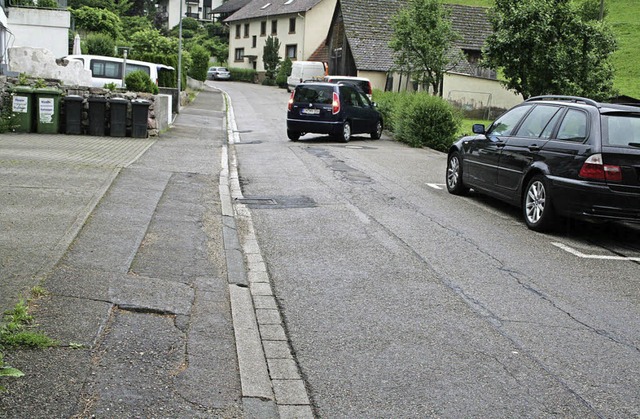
[{"x": 621, "y": 130}]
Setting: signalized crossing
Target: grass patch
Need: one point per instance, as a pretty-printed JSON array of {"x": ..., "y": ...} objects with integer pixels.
[{"x": 467, "y": 125}]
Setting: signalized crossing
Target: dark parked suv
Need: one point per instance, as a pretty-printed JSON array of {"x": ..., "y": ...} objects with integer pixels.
[
  {"x": 337, "y": 109},
  {"x": 555, "y": 156}
]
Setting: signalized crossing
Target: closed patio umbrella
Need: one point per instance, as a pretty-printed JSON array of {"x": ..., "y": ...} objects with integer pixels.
[{"x": 76, "y": 45}]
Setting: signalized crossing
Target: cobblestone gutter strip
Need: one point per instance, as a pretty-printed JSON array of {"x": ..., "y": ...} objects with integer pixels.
[{"x": 268, "y": 369}]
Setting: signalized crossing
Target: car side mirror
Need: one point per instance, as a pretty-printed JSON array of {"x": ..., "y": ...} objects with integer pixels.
[{"x": 478, "y": 129}]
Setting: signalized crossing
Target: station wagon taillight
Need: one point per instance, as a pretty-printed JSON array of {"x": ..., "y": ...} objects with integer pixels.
[
  {"x": 594, "y": 168},
  {"x": 335, "y": 105},
  {"x": 290, "y": 105}
]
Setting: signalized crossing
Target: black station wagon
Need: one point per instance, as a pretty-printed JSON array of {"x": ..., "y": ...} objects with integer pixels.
[
  {"x": 555, "y": 156},
  {"x": 338, "y": 109}
]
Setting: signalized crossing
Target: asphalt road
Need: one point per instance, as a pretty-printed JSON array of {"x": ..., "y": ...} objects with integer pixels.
[{"x": 401, "y": 300}]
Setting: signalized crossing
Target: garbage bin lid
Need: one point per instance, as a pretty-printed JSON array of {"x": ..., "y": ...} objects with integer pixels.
[
  {"x": 118, "y": 100},
  {"x": 47, "y": 91},
  {"x": 140, "y": 102},
  {"x": 73, "y": 98},
  {"x": 22, "y": 89},
  {"x": 97, "y": 99}
]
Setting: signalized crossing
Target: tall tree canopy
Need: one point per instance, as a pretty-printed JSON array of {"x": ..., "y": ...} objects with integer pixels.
[
  {"x": 423, "y": 39},
  {"x": 549, "y": 47}
]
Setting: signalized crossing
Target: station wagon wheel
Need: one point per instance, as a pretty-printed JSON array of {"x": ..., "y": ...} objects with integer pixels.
[
  {"x": 454, "y": 175},
  {"x": 537, "y": 205},
  {"x": 378, "y": 132},
  {"x": 293, "y": 135},
  {"x": 346, "y": 131}
]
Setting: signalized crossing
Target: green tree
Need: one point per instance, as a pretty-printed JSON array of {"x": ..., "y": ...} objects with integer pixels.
[
  {"x": 118, "y": 7},
  {"x": 97, "y": 20},
  {"x": 284, "y": 71},
  {"x": 546, "y": 47},
  {"x": 270, "y": 56},
  {"x": 422, "y": 39},
  {"x": 152, "y": 41},
  {"x": 100, "y": 44}
]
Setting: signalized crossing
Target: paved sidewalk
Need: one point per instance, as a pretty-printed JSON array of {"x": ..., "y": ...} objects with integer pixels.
[{"x": 126, "y": 236}]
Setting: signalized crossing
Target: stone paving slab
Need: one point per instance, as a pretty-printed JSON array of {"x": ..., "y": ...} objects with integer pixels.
[{"x": 49, "y": 184}]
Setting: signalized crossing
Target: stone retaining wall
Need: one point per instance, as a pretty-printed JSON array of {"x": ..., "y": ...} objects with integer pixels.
[{"x": 154, "y": 124}]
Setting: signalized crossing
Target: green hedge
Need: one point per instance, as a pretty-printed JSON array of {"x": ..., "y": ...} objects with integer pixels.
[
  {"x": 243, "y": 74},
  {"x": 166, "y": 78},
  {"x": 419, "y": 119}
]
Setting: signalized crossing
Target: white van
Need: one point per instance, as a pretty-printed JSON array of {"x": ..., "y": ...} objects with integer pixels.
[
  {"x": 105, "y": 70},
  {"x": 305, "y": 70}
]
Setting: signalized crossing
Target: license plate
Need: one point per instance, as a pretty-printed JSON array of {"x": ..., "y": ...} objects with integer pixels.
[{"x": 309, "y": 111}]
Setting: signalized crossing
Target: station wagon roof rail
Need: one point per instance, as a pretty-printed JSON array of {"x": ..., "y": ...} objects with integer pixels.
[{"x": 574, "y": 99}]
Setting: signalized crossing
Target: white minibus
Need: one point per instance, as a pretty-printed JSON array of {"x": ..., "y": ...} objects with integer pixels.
[{"x": 105, "y": 70}]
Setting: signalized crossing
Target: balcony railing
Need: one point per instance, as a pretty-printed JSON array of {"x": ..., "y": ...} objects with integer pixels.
[{"x": 193, "y": 15}]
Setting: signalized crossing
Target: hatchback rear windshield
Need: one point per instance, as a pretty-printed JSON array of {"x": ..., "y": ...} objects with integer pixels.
[
  {"x": 621, "y": 129},
  {"x": 314, "y": 94},
  {"x": 363, "y": 84}
]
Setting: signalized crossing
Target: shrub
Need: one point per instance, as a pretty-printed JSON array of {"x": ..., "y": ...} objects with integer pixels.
[
  {"x": 284, "y": 70},
  {"x": 199, "y": 62},
  {"x": 420, "y": 119},
  {"x": 100, "y": 44},
  {"x": 139, "y": 81},
  {"x": 385, "y": 102},
  {"x": 243, "y": 74},
  {"x": 6, "y": 115},
  {"x": 166, "y": 78},
  {"x": 268, "y": 82}
]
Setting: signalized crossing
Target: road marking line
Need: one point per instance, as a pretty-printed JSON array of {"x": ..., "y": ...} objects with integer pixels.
[
  {"x": 600, "y": 257},
  {"x": 436, "y": 185}
]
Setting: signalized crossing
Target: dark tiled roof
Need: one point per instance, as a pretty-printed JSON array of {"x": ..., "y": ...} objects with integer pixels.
[
  {"x": 368, "y": 29},
  {"x": 230, "y": 6},
  {"x": 472, "y": 24},
  {"x": 257, "y": 9},
  {"x": 321, "y": 53}
]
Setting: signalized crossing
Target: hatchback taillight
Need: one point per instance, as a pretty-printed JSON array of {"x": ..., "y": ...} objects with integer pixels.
[
  {"x": 335, "y": 105},
  {"x": 594, "y": 168},
  {"x": 290, "y": 105}
]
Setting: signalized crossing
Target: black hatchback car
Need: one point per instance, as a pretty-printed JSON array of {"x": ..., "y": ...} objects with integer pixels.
[
  {"x": 338, "y": 109},
  {"x": 555, "y": 156}
]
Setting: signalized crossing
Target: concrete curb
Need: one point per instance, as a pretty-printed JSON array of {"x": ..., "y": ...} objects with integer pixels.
[{"x": 261, "y": 340}]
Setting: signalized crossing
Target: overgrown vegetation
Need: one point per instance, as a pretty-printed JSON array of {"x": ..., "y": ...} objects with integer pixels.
[{"x": 6, "y": 115}]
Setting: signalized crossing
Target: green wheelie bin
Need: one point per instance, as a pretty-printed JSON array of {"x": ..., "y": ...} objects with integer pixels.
[
  {"x": 47, "y": 110},
  {"x": 22, "y": 108}
]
